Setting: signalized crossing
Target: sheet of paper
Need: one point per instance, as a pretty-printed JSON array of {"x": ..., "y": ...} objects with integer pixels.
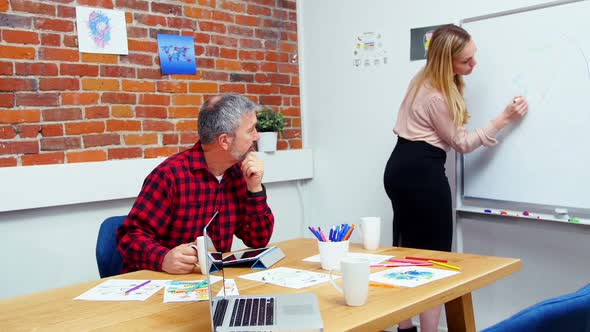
[
  {"x": 186, "y": 291},
  {"x": 115, "y": 290},
  {"x": 373, "y": 258},
  {"x": 288, "y": 277},
  {"x": 230, "y": 288},
  {"x": 410, "y": 276}
]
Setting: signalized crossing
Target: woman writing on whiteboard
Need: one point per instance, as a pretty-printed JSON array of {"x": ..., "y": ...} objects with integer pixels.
[{"x": 430, "y": 122}]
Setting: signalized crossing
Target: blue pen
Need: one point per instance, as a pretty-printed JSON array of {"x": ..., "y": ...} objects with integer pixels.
[
  {"x": 344, "y": 231},
  {"x": 315, "y": 233}
]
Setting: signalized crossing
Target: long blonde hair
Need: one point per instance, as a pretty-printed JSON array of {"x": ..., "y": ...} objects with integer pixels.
[{"x": 446, "y": 44}]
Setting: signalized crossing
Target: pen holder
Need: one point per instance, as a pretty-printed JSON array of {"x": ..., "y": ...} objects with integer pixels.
[{"x": 331, "y": 253}]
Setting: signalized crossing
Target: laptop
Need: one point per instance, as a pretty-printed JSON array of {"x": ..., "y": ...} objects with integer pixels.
[{"x": 275, "y": 312}]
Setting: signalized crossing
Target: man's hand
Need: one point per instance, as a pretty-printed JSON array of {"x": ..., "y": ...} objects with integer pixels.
[
  {"x": 253, "y": 169},
  {"x": 180, "y": 260}
]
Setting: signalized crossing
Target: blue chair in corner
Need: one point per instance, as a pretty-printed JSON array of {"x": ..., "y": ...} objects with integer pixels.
[
  {"x": 569, "y": 312},
  {"x": 107, "y": 255}
]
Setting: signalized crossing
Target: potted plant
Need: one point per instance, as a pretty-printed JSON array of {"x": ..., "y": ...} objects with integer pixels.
[{"x": 269, "y": 124}]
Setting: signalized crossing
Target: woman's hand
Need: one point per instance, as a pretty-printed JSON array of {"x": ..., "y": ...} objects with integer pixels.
[{"x": 514, "y": 111}]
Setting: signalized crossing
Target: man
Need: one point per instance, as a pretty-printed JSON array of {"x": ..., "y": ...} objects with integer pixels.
[{"x": 220, "y": 173}]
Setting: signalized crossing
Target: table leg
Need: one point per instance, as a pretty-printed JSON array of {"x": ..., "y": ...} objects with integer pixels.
[{"x": 460, "y": 316}]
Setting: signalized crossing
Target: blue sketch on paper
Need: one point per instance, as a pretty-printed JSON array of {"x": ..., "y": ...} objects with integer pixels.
[
  {"x": 177, "y": 54},
  {"x": 410, "y": 275},
  {"x": 100, "y": 28}
]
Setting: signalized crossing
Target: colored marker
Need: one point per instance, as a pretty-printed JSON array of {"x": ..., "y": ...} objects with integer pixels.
[
  {"x": 449, "y": 266},
  {"x": 378, "y": 284},
  {"x": 487, "y": 211},
  {"x": 574, "y": 220},
  {"x": 526, "y": 213},
  {"x": 137, "y": 287},
  {"x": 503, "y": 212},
  {"x": 427, "y": 259}
]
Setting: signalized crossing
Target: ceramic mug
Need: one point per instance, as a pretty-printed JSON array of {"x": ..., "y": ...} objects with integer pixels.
[
  {"x": 355, "y": 279},
  {"x": 370, "y": 229},
  {"x": 331, "y": 253}
]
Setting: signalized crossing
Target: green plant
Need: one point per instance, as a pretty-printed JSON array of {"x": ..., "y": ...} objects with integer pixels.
[{"x": 269, "y": 120}]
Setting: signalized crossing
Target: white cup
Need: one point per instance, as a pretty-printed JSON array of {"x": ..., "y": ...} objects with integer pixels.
[
  {"x": 331, "y": 253},
  {"x": 201, "y": 250},
  {"x": 370, "y": 229},
  {"x": 355, "y": 277}
]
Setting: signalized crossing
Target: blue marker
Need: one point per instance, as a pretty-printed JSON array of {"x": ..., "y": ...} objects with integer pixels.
[{"x": 487, "y": 211}]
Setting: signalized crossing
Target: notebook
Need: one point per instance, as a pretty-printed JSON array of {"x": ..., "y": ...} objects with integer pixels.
[{"x": 270, "y": 312}]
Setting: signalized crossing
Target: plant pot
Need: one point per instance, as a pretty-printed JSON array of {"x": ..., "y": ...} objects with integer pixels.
[{"x": 267, "y": 141}]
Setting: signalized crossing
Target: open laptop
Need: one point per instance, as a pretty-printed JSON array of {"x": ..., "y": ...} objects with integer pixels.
[{"x": 276, "y": 312}]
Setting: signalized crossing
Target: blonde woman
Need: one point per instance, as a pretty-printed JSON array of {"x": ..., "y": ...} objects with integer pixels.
[{"x": 430, "y": 122}]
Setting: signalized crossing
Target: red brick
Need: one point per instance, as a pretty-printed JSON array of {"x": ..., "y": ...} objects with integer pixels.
[
  {"x": 123, "y": 125},
  {"x": 189, "y": 137},
  {"x": 233, "y": 6},
  {"x": 157, "y": 125},
  {"x": 258, "y": 10},
  {"x": 160, "y": 152},
  {"x": 185, "y": 125},
  {"x": 97, "y": 3},
  {"x": 125, "y": 153},
  {"x": 170, "y": 139},
  {"x": 272, "y": 78},
  {"x": 6, "y": 100},
  {"x": 120, "y": 111},
  {"x": 181, "y": 23},
  {"x": 43, "y": 159},
  {"x": 250, "y": 66},
  {"x": 269, "y": 67},
  {"x": 202, "y": 38},
  {"x": 100, "y": 58},
  {"x": 139, "y": 86},
  {"x": 282, "y": 144},
  {"x": 151, "y": 20},
  {"x": 250, "y": 43},
  {"x": 134, "y": 4},
  {"x": 100, "y": 84},
  {"x": 236, "y": 88},
  {"x": 141, "y": 139},
  {"x": 71, "y": 41},
  {"x": 289, "y": 90},
  {"x": 101, "y": 140},
  {"x": 37, "y": 99},
  {"x": 183, "y": 112},
  {"x": 28, "y": 131},
  {"x": 208, "y": 3},
  {"x": 277, "y": 56},
  {"x": 60, "y": 54},
  {"x": 187, "y": 100},
  {"x": 34, "y": 7},
  {"x": 136, "y": 32},
  {"x": 292, "y": 111},
  {"x": 16, "y": 21},
  {"x": 167, "y": 9},
  {"x": 19, "y": 116},
  {"x": 151, "y": 112},
  {"x": 49, "y": 39},
  {"x": 20, "y": 37},
  {"x": 198, "y": 12},
  {"x": 86, "y": 156},
  {"x": 46, "y": 84},
  {"x": 172, "y": 86},
  {"x": 87, "y": 127},
  {"x": 247, "y": 20},
  {"x": 48, "y": 130},
  {"x": 270, "y": 100},
  {"x": 224, "y": 41},
  {"x": 17, "y": 84},
  {"x": 258, "y": 89},
  {"x": 97, "y": 112},
  {"x": 229, "y": 53},
  {"x": 7, "y": 132},
  {"x": 154, "y": 99},
  {"x": 6, "y": 68},
  {"x": 60, "y": 143},
  {"x": 62, "y": 114},
  {"x": 76, "y": 98},
  {"x": 118, "y": 98},
  {"x": 212, "y": 27},
  {"x": 155, "y": 74},
  {"x": 117, "y": 71},
  {"x": 20, "y": 147},
  {"x": 53, "y": 24},
  {"x": 10, "y": 161},
  {"x": 16, "y": 52},
  {"x": 66, "y": 11},
  {"x": 234, "y": 77},
  {"x": 3, "y": 8},
  {"x": 70, "y": 69},
  {"x": 142, "y": 46},
  {"x": 138, "y": 59},
  {"x": 291, "y": 133},
  {"x": 36, "y": 69}
]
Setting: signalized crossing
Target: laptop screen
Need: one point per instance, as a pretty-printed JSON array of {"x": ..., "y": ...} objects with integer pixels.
[{"x": 213, "y": 269}]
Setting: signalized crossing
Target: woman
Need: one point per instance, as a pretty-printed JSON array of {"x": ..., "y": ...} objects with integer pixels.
[{"x": 430, "y": 121}]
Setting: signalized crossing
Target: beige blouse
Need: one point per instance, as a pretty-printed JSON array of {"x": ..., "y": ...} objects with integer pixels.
[{"x": 429, "y": 120}]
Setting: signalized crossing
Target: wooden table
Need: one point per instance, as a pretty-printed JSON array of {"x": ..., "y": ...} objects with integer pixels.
[{"x": 57, "y": 311}]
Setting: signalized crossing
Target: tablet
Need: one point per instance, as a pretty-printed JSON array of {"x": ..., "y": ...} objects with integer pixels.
[{"x": 246, "y": 256}]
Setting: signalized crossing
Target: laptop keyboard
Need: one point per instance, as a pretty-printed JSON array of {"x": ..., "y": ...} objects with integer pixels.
[
  {"x": 220, "y": 310},
  {"x": 252, "y": 311}
]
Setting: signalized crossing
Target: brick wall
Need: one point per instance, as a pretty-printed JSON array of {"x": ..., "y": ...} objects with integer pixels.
[{"x": 61, "y": 106}]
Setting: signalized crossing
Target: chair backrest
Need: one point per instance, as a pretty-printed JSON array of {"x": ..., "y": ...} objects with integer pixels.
[
  {"x": 569, "y": 312},
  {"x": 107, "y": 255}
]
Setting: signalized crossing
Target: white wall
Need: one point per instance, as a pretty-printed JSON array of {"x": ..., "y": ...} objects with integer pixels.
[{"x": 350, "y": 114}]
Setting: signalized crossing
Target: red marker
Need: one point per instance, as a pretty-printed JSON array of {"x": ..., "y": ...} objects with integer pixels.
[
  {"x": 427, "y": 259},
  {"x": 504, "y": 213}
]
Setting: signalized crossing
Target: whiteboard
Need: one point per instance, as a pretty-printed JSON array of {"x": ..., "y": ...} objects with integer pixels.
[{"x": 542, "y": 53}]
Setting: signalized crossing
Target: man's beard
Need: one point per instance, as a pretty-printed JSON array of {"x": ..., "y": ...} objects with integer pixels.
[{"x": 238, "y": 156}]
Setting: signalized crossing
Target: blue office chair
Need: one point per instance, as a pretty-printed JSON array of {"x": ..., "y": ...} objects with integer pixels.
[
  {"x": 107, "y": 255},
  {"x": 569, "y": 312}
]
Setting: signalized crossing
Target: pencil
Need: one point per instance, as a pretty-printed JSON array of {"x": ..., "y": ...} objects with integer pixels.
[{"x": 449, "y": 266}]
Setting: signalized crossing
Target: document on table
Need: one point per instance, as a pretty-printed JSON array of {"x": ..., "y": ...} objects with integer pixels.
[
  {"x": 373, "y": 258},
  {"x": 188, "y": 291},
  {"x": 123, "y": 290},
  {"x": 288, "y": 277},
  {"x": 410, "y": 276}
]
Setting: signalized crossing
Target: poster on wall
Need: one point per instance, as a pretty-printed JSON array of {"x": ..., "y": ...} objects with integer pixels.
[
  {"x": 419, "y": 42},
  {"x": 101, "y": 30},
  {"x": 177, "y": 54},
  {"x": 368, "y": 50}
]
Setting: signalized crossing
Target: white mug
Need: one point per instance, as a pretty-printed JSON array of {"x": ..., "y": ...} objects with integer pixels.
[
  {"x": 331, "y": 253},
  {"x": 200, "y": 248},
  {"x": 370, "y": 229},
  {"x": 355, "y": 277}
]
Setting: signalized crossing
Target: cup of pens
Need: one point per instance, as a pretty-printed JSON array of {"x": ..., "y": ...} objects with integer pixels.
[{"x": 334, "y": 247}]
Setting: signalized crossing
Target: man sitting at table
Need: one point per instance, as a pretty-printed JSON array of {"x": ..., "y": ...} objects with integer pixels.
[{"x": 220, "y": 173}]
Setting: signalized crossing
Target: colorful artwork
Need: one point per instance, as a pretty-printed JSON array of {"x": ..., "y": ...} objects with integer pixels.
[
  {"x": 420, "y": 41},
  {"x": 410, "y": 276},
  {"x": 101, "y": 31},
  {"x": 369, "y": 50},
  {"x": 177, "y": 54}
]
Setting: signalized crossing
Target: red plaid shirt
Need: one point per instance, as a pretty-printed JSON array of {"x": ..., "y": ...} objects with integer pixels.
[{"x": 177, "y": 200}]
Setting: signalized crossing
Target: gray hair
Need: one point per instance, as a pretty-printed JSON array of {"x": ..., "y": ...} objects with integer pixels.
[{"x": 222, "y": 115}]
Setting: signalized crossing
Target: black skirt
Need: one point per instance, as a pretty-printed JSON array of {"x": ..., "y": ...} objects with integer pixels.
[{"x": 418, "y": 188}]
